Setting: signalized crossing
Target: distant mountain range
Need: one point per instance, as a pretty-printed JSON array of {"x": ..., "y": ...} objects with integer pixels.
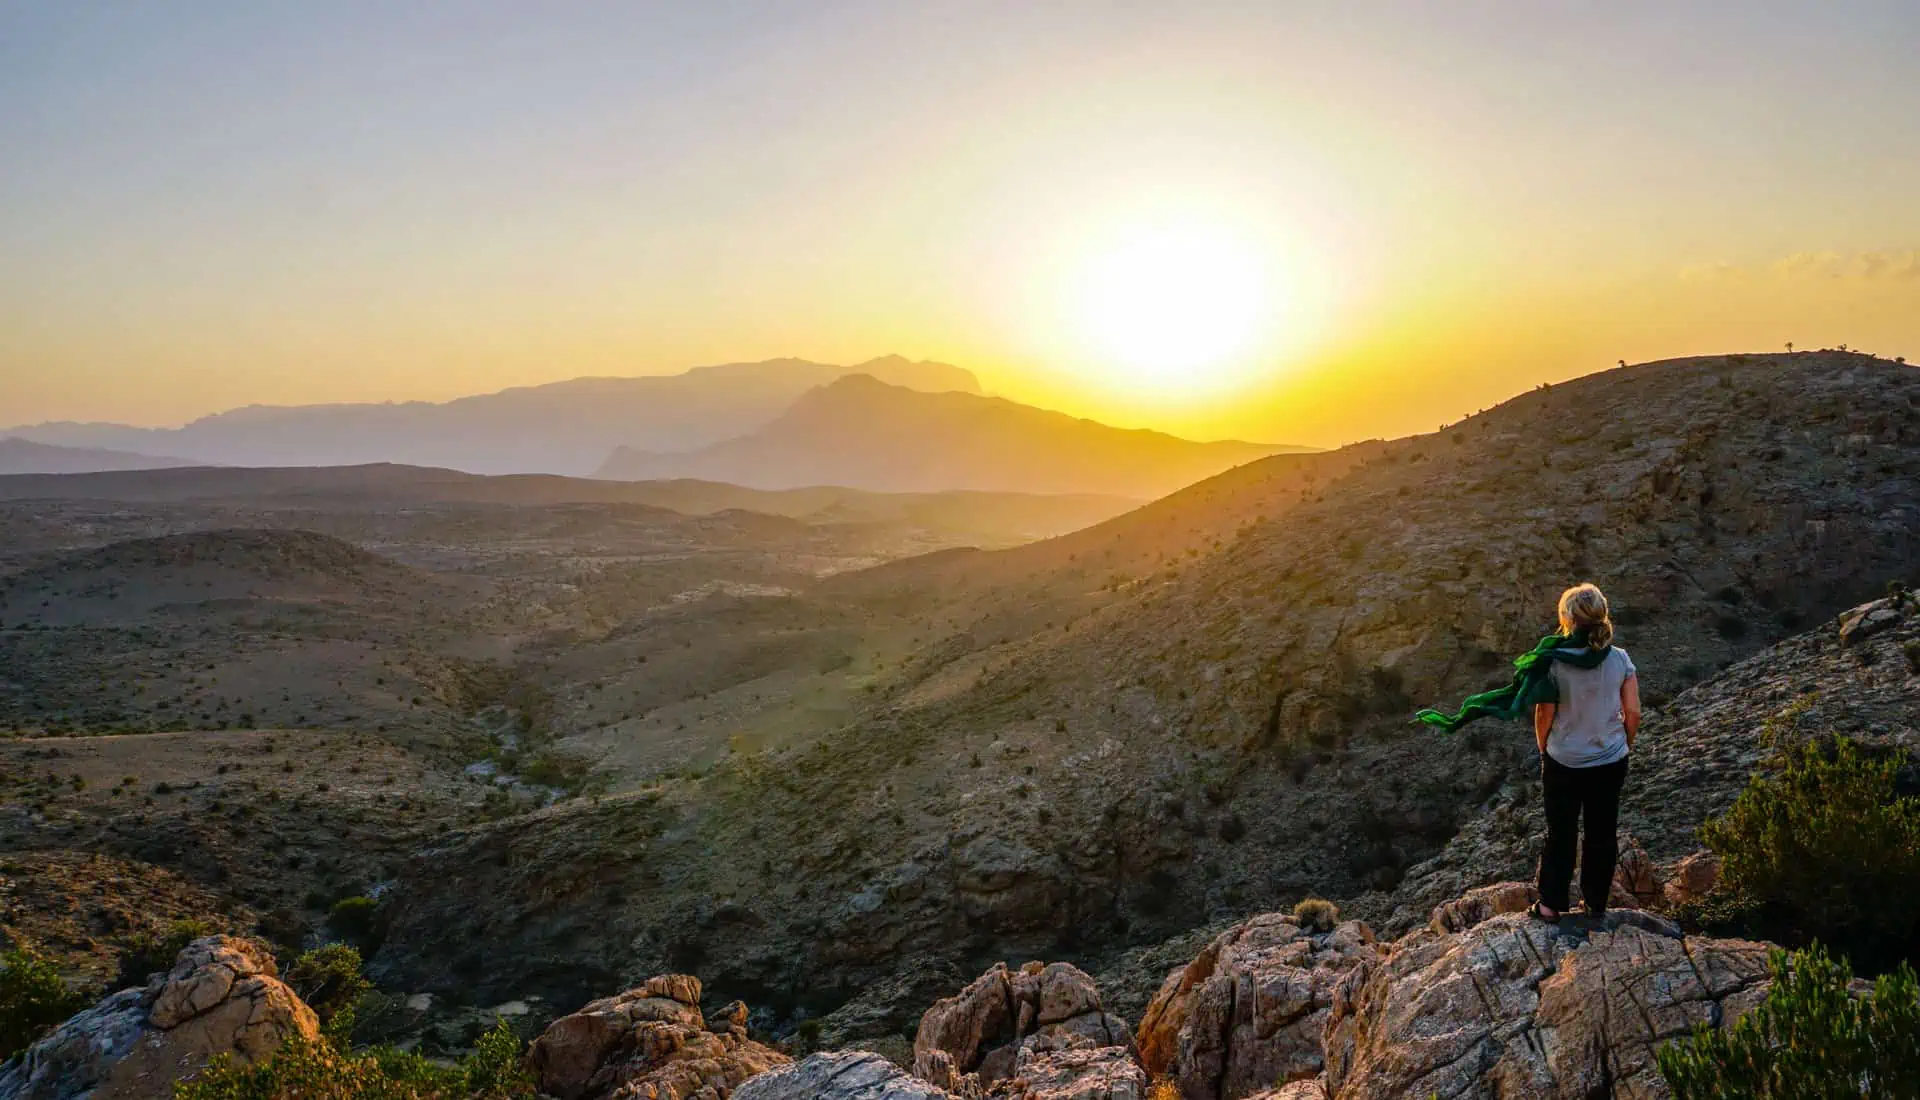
[
  {"x": 565, "y": 427},
  {"x": 23, "y": 456},
  {"x": 862, "y": 432}
]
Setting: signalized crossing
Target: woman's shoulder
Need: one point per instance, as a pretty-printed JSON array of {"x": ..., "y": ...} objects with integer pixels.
[{"x": 1619, "y": 656}]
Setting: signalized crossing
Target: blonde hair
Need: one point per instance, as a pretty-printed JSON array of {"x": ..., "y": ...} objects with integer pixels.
[{"x": 1584, "y": 605}]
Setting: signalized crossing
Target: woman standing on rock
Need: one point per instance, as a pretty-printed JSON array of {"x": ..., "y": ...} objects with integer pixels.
[{"x": 1585, "y": 700}]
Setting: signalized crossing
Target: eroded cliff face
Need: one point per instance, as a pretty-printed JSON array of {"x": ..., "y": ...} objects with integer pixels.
[{"x": 1120, "y": 759}]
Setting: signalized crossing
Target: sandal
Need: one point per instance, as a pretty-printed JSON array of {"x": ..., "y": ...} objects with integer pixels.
[{"x": 1540, "y": 912}]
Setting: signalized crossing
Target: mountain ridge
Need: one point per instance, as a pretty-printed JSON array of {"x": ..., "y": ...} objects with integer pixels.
[
  {"x": 860, "y": 431},
  {"x": 558, "y": 427}
]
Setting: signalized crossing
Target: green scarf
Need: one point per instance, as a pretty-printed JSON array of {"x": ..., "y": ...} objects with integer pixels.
[{"x": 1532, "y": 683}]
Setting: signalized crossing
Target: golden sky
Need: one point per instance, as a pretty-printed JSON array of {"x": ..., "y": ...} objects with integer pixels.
[{"x": 1291, "y": 222}]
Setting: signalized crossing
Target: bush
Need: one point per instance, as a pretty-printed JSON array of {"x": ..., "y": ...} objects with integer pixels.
[
  {"x": 149, "y": 953},
  {"x": 32, "y": 1000},
  {"x": 328, "y": 979},
  {"x": 324, "y": 1070},
  {"x": 1809, "y": 1038},
  {"x": 1316, "y": 915},
  {"x": 357, "y": 921},
  {"x": 1827, "y": 849}
]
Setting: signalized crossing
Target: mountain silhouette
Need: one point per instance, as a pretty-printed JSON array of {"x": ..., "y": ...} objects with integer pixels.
[
  {"x": 562, "y": 427},
  {"x": 24, "y": 456},
  {"x": 864, "y": 433}
]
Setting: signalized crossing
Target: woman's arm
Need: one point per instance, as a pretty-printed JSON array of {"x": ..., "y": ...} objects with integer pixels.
[
  {"x": 1630, "y": 708},
  {"x": 1543, "y": 722}
]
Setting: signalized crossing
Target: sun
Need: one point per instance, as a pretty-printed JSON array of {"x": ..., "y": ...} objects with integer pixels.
[{"x": 1174, "y": 308}]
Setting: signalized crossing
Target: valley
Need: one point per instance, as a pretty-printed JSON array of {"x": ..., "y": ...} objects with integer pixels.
[{"x": 836, "y": 751}]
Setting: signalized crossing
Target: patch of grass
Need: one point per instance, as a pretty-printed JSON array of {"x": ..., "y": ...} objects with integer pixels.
[{"x": 1316, "y": 914}]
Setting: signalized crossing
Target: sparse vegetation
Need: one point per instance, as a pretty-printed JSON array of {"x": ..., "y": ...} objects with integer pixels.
[
  {"x": 33, "y": 998},
  {"x": 326, "y": 1069},
  {"x": 1818, "y": 851},
  {"x": 152, "y": 953},
  {"x": 1316, "y": 914},
  {"x": 1811, "y": 1038}
]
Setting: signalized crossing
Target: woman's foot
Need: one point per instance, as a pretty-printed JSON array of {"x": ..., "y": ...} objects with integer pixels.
[{"x": 1544, "y": 912}]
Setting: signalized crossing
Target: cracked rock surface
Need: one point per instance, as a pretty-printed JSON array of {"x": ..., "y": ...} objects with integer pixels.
[
  {"x": 1517, "y": 1007},
  {"x": 1005, "y": 1015}
]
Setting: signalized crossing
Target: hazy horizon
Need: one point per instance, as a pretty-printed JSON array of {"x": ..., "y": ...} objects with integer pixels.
[{"x": 1231, "y": 221}]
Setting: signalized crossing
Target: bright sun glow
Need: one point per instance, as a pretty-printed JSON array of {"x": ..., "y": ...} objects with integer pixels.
[{"x": 1175, "y": 308}]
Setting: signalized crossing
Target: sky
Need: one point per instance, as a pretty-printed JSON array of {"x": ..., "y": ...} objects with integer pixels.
[{"x": 1290, "y": 222}]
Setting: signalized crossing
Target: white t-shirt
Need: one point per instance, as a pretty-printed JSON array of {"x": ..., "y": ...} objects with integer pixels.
[{"x": 1588, "y": 728}]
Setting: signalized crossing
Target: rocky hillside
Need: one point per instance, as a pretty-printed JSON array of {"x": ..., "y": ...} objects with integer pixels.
[
  {"x": 1127, "y": 761},
  {"x": 864, "y": 433}
]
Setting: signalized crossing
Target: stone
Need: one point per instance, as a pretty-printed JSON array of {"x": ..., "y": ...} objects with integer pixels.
[
  {"x": 222, "y": 996},
  {"x": 1517, "y": 1007},
  {"x": 1869, "y": 619},
  {"x": 1106, "y": 1073},
  {"x": 1635, "y": 883},
  {"x": 649, "y": 1043},
  {"x": 1249, "y": 1011},
  {"x": 982, "y": 1031},
  {"x": 1691, "y": 879},
  {"x": 1479, "y": 904},
  {"x": 840, "y": 1075}
]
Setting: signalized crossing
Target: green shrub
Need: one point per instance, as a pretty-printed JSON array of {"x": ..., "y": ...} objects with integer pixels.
[
  {"x": 357, "y": 921},
  {"x": 1826, "y": 849},
  {"x": 325, "y": 1070},
  {"x": 149, "y": 953},
  {"x": 32, "y": 1000},
  {"x": 328, "y": 979},
  {"x": 1809, "y": 1039}
]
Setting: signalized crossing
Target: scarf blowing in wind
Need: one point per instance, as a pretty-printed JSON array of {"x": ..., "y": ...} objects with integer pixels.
[{"x": 1532, "y": 682}]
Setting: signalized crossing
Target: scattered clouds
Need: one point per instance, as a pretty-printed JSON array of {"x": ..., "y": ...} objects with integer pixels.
[{"x": 1879, "y": 265}]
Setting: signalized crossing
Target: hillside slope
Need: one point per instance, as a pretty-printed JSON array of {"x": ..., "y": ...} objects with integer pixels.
[
  {"x": 563, "y": 427},
  {"x": 1230, "y": 732}
]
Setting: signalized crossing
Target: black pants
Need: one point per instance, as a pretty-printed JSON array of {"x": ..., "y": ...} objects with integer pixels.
[{"x": 1566, "y": 793}]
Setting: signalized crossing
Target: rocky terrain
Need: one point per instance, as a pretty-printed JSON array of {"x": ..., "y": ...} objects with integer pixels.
[
  {"x": 571, "y": 746},
  {"x": 1483, "y": 1001},
  {"x": 1140, "y": 755}
]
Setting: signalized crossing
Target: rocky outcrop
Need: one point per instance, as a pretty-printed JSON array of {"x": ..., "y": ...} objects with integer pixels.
[
  {"x": 1691, "y": 879},
  {"x": 649, "y": 1043},
  {"x": 984, "y": 1030},
  {"x": 1106, "y": 1073},
  {"x": 840, "y": 1075},
  {"x": 223, "y": 996},
  {"x": 1516, "y": 1007},
  {"x": 1249, "y": 1011},
  {"x": 1484, "y": 1002}
]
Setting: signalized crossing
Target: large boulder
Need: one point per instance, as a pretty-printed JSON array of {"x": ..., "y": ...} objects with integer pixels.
[
  {"x": 1513, "y": 1006},
  {"x": 649, "y": 1043},
  {"x": 1249, "y": 1011},
  {"x": 840, "y": 1075},
  {"x": 222, "y": 996},
  {"x": 981, "y": 1031}
]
